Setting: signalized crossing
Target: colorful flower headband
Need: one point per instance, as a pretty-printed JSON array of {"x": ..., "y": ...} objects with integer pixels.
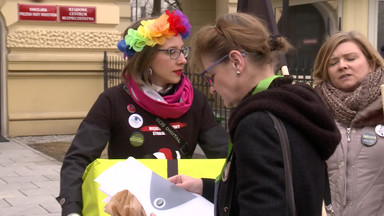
[{"x": 155, "y": 31}]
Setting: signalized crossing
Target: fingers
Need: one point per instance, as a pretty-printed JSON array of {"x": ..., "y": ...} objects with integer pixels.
[
  {"x": 175, "y": 179},
  {"x": 179, "y": 179}
]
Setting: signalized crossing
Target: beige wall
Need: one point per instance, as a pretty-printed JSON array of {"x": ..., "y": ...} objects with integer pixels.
[
  {"x": 199, "y": 12},
  {"x": 355, "y": 16},
  {"x": 54, "y": 71},
  {"x": 125, "y": 14},
  {"x": 202, "y": 12}
]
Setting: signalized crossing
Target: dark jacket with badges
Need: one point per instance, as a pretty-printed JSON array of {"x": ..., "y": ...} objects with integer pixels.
[
  {"x": 356, "y": 172},
  {"x": 112, "y": 120},
  {"x": 257, "y": 170}
]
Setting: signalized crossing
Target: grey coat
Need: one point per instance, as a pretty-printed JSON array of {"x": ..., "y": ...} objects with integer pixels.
[{"x": 356, "y": 171}]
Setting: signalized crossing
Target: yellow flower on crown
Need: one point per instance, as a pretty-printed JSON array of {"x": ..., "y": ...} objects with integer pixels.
[{"x": 155, "y": 31}]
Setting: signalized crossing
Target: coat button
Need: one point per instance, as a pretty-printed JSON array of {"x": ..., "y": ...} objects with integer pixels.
[
  {"x": 62, "y": 201},
  {"x": 225, "y": 209}
]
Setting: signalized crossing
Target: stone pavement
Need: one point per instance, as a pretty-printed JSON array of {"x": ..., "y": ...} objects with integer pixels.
[{"x": 29, "y": 179}]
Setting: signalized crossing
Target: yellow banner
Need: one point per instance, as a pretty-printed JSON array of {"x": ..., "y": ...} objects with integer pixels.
[{"x": 93, "y": 198}]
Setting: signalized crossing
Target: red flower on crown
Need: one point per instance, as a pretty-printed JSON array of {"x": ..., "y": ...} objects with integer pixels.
[{"x": 175, "y": 22}]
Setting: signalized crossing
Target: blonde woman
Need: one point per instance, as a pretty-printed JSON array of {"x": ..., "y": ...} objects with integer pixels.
[{"x": 348, "y": 72}]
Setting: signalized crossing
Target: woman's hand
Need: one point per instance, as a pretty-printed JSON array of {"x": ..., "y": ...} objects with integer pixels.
[{"x": 188, "y": 183}]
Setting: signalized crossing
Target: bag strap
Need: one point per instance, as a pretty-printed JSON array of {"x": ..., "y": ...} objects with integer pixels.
[
  {"x": 182, "y": 144},
  {"x": 287, "y": 163},
  {"x": 327, "y": 194},
  {"x": 171, "y": 132}
]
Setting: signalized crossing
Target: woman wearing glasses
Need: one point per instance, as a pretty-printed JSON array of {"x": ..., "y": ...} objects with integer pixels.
[
  {"x": 154, "y": 113},
  {"x": 238, "y": 54}
]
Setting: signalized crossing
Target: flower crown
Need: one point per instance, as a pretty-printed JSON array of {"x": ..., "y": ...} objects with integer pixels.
[{"x": 155, "y": 31}]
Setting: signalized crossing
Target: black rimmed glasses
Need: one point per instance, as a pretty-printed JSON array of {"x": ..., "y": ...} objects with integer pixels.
[
  {"x": 206, "y": 77},
  {"x": 174, "y": 53}
]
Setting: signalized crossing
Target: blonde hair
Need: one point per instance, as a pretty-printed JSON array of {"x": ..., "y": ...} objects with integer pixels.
[
  {"x": 320, "y": 67},
  {"x": 236, "y": 31}
]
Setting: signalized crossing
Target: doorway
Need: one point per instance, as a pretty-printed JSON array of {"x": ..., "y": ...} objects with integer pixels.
[{"x": 306, "y": 31}]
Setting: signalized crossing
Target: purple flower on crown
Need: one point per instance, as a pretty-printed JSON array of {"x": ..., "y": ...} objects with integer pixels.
[{"x": 185, "y": 23}]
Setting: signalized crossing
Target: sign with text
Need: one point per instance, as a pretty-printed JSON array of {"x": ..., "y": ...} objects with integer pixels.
[
  {"x": 37, "y": 12},
  {"x": 77, "y": 14}
]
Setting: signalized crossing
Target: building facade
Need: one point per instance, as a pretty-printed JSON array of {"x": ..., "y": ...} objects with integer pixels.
[{"x": 51, "y": 53}]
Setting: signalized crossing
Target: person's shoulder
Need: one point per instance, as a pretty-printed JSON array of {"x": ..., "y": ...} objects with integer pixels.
[
  {"x": 257, "y": 116},
  {"x": 197, "y": 93},
  {"x": 196, "y": 90},
  {"x": 256, "y": 119},
  {"x": 115, "y": 93},
  {"x": 114, "y": 90},
  {"x": 257, "y": 123}
]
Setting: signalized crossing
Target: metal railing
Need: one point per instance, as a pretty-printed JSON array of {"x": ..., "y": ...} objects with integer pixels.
[{"x": 114, "y": 64}]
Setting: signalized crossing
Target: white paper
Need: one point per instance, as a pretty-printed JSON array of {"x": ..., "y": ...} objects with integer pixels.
[{"x": 156, "y": 194}]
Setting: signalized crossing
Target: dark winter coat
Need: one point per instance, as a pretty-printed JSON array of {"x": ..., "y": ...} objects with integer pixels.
[
  {"x": 108, "y": 122},
  {"x": 257, "y": 170}
]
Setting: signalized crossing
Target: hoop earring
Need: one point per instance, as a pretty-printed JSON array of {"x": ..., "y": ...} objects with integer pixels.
[{"x": 149, "y": 71}]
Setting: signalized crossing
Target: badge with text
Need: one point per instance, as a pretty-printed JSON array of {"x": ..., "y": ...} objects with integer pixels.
[
  {"x": 135, "y": 120},
  {"x": 379, "y": 129},
  {"x": 136, "y": 139},
  {"x": 369, "y": 139}
]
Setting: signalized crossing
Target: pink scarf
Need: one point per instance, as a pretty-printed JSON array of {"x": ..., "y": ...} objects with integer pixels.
[{"x": 177, "y": 104}]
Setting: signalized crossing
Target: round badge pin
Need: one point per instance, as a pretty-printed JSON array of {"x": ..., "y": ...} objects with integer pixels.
[
  {"x": 135, "y": 120},
  {"x": 131, "y": 108},
  {"x": 369, "y": 139},
  {"x": 379, "y": 129},
  {"x": 136, "y": 139}
]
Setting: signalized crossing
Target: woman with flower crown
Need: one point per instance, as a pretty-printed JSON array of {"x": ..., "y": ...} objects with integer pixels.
[{"x": 154, "y": 113}]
